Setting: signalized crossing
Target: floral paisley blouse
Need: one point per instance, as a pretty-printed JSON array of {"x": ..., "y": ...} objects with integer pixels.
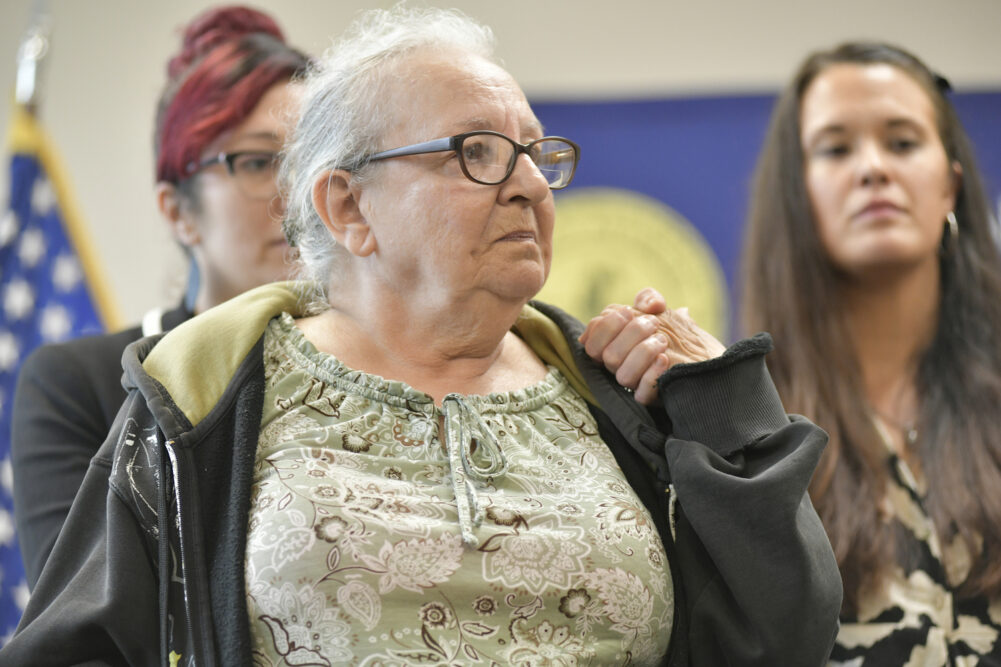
[
  {"x": 917, "y": 619},
  {"x": 385, "y": 530}
]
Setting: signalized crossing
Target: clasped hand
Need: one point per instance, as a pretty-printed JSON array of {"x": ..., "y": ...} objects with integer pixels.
[{"x": 639, "y": 343}]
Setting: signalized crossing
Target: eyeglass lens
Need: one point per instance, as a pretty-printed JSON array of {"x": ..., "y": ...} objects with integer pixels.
[
  {"x": 490, "y": 159},
  {"x": 255, "y": 174}
]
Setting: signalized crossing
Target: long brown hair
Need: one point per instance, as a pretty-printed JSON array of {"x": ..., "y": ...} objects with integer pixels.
[{"x": 789, "y": 289}]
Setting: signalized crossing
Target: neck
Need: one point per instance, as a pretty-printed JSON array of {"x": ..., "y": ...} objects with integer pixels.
[
  {"x": 212, "y": 288},
  {"x": 210, "y": 296},
  {"x": 461, "y": 344},
  {"x": 892, "y": 321}
]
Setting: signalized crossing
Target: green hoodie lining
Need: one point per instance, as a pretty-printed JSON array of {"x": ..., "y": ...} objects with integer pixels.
[{"x": 196, "y": 361}]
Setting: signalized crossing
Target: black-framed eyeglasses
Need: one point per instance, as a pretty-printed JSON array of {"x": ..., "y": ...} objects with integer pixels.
[
  {"x": 254, "y": 171},
  {"x": 489, "y": 157}
]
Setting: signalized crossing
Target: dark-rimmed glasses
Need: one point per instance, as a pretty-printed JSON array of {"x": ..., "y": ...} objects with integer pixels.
[
  {"x": 489, "y": 157},
  {"x": 254, "y": 171}
]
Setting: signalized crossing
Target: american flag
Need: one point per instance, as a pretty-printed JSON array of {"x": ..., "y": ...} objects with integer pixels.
[{"x": 47, "y": 294}]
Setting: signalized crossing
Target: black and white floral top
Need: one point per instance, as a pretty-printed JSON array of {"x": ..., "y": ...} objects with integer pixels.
[
  {"x": 386, "y": 530},
  {"x": 916, "y": 619}
]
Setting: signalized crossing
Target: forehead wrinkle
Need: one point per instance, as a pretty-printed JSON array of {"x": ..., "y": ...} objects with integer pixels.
[
  {"x": 481, "y": 123},
  {"x": 475, "y": 94}
]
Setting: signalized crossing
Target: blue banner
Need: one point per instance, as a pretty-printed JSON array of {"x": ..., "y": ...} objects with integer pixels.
[{"x": 686, "y": 163}]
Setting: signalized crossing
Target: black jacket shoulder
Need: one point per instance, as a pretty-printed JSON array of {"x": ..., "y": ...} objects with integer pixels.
[{"x": 65, "y": 402}]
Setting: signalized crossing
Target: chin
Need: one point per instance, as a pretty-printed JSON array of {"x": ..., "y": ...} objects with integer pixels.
[
  {"x": 522, "y": 288},
  {"x": 886, "y": 251},
  {"x": 518, "y": 280},
  {"x": 886, "y": 266}
]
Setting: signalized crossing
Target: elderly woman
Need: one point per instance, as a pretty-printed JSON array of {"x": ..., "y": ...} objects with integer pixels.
[{"x": 408, "y": 464}]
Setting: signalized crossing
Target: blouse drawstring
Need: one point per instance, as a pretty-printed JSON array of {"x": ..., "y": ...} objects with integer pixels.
[{"x": 464, "y": 430}]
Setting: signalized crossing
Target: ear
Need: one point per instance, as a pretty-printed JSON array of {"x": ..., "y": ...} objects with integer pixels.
[
  {"x": 177, "y": 215},
  {"x": 957, "y": 181},
  {"x": 337, "y": 200}
]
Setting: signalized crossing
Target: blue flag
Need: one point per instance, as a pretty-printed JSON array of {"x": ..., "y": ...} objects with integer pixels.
[{"x": 49, "y": 291}]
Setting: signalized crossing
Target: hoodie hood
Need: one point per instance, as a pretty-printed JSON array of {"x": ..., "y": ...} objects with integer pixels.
[{"x": 186, "y": 371}]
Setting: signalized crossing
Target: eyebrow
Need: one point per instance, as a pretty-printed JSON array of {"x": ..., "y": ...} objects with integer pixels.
[
  {"x": 268, "y": 136},
  {"x": 838, "y": 128},
  {"x": 828, "y": 129},
  {"x": 899, "y": 122}
]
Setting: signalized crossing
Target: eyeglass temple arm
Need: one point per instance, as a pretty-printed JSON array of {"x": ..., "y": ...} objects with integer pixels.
[
  {"x": 433, "y": 146},
  {"x": 221, "y": 158}
]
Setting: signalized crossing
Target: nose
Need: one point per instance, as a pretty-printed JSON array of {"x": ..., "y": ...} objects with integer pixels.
[
  {"x": 872, "y": 165},
  {"x": 526, "y": 184}
]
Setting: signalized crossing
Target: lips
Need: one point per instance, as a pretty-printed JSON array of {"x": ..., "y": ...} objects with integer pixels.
[
  {"x": 522, "y": 235},
  {"x": 879, "y": 208}
]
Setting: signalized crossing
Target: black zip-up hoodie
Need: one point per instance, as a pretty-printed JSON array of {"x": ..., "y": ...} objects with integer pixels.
[{"x": 721, "y": 467}]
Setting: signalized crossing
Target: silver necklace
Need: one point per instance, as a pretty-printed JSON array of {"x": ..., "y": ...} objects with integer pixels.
[{"x": 908, "y": 428}]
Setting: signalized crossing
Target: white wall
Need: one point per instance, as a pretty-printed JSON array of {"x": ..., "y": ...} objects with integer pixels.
[{"x": 106, "y": 67}]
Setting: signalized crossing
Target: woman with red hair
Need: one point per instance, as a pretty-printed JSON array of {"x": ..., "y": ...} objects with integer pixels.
[{"x": 219, "y": 127}]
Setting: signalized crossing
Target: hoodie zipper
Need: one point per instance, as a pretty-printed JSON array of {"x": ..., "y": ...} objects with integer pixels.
[
  {"x": 195, "y": 641},
  {"x": 163, "y": 551}
]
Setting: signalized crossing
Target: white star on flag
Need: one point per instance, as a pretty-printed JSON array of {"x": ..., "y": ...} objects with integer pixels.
[
  {"x": 7, "y": 476},
  {"x": 10, "y": 352},
  {"x": 6, "y": 527},
  {"x": 8, "y": 228},
  {"x": 18, "y": 299},
  {"x": 42, "y": 197},
  {"x": 32, "y": 247},
  {"x": 21, "y": 595},
  {"x": 66, "y": 273},
  {"x": 56, "y": 323}
]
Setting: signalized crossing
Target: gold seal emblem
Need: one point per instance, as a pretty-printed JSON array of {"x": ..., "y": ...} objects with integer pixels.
[{"x": 610, "y": 243}]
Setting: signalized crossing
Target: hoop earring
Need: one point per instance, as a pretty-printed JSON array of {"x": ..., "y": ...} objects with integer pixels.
[{"x": 950, "y": 219}]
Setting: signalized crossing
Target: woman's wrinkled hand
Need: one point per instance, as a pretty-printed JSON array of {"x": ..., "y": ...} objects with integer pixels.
[{"x": 639, "y": 343}]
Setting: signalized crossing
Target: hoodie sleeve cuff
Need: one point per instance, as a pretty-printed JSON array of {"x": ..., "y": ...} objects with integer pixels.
[{"x": 726, "y": 403}]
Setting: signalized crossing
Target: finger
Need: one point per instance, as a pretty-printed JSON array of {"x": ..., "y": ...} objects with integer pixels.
[
  {"x": 634, "y": 333},
  {"x": 600, "y": 317},
  {"x": 649, "y": 300},
  {"x": 612, "y": 316},
  {"x": 646, "y": 391},
  {"x": 639, "y": 359},
  {"x": 603, "y": 329}
]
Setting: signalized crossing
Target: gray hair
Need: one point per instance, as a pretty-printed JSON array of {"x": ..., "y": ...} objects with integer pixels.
[{"x": 344, "y": 114}]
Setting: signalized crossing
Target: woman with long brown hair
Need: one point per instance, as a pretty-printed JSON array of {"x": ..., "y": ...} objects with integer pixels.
[{"x": 870, "y": 259}]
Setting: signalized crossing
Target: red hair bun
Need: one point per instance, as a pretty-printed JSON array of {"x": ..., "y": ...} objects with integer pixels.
[
  {"x": 229, "y": 59},
  {"x": 209, "y": 30}
]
